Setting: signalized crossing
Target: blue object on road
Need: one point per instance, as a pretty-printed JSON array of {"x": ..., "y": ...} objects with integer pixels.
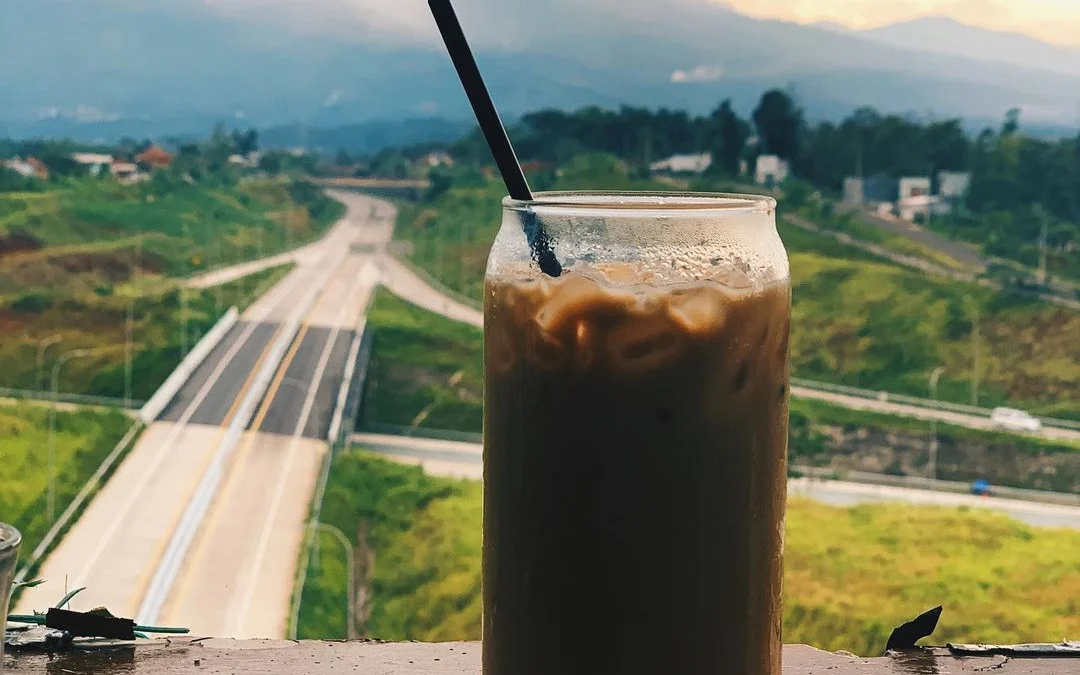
[{"x": 980, "y": 487}]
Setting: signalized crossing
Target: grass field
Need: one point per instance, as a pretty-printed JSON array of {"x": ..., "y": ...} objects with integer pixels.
[
  {"x": 857, "y": 320},
  {"x": 87, "y": 232},
  {"x": 427, "y": 374},
  {"x": 99, "y": 324},
  {"x": 851, "y": 574},
  {"x": 83, "y": 440},
  {"x": 426, "y": 371}
]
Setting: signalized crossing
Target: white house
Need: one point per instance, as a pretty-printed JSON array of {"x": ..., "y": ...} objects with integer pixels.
[
  {"x": 683, "y": 164},
  {"x": 953, "y": 184},
  {"x": 920, "y": 206},
  {"x": 95, "y": 162},
  {"x": 20, "y": 166},
  {"x": 249, "y": 161},
  {"x": 853, "y": 191},
  {"x": 127, "y": 172},
  {"x": 770, "y": 170},
  {"x": 914, "y": 186},
  {"x": 437, "y": 159}
]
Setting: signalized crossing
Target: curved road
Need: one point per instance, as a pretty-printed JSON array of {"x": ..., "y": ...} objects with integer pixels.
[
  {"x": 465, "y": 460},
  {"x": 403, "y": 282}
]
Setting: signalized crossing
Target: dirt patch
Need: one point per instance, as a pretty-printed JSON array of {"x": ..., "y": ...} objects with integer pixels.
[
  {"x": 960, "y": 459},
  {"x": 18, "y": 242}
]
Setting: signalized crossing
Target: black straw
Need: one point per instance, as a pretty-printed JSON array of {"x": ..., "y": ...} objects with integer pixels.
[{"x": 493, "y": 130}]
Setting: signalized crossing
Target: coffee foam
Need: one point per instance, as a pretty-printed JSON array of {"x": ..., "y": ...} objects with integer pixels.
[{"x": 579, "y": 322}]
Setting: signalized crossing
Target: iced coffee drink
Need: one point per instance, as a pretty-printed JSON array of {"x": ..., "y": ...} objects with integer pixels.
[{"x": 635, "y": 436}]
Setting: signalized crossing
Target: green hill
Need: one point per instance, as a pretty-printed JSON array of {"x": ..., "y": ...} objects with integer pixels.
[
  {"x": 857, "y": 320},
  {"x": 76, "y": 253},
  {"x": 852, "y": 574}
]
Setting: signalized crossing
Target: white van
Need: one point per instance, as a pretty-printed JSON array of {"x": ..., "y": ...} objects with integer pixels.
[{"x": 1014, "y": 420}]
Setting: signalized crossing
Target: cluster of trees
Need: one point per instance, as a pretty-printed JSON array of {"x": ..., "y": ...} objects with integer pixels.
[{"x": 1021, "y": 185}]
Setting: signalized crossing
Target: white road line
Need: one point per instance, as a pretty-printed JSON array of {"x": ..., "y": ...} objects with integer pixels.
[
  {"x": 188, "y": 528},
  {"x": 134, "y": 495},
  {"x": 250, "y": 580}
]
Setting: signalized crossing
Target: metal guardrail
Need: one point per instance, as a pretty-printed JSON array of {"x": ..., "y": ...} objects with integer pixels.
[
  {"x": 922, "y": 483},
  {"x": 889, "y": 397},
  {"x": 338, "y": 440},
  {"x": 422, "y": 432},
  {"x": 188, "y": 527},
  {"x": 74, "y": 399}
]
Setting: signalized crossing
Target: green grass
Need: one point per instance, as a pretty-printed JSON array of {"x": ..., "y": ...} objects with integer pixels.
[
  {"x": 411, "y": 550},
  {"x": 857, "y": 320},
  {"x": 184, "y": 228},
  {"x": 827, "y": 435},
  {"x": 426, "y": 371},
  {"x": 853, "y": 225},
  {"x": 83, "y": 440},
  {"x": 418, "y": 352},
  {"x": 852, "y": 574},
  {"x": 98, "y": 323}
]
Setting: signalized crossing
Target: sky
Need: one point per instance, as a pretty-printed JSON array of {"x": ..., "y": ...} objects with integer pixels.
[{"x": 1056, "y": 21}]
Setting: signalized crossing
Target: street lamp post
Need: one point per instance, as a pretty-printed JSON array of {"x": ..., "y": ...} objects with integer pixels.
[
  {"x": 129, "y": 352},
  {"x": 933, "y": 423},
  {"x": 350, "y": 587},
  {"x": 42, "y": 346},
  {"x": 51, "y": 498}
]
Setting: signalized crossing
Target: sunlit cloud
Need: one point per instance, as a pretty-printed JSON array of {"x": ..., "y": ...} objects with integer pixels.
[{"x": 1050, "y": 20}]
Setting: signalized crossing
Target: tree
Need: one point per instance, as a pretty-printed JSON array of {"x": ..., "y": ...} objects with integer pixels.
[
  {"x": 245, "y": 142},
  {"x": 343, "y": 158},
  {"x": 13, "y": 181},
  {"x": 729, "y": 138},
  {"x": 779, "y": 124},
  {"x": 1012, "y": 122}
]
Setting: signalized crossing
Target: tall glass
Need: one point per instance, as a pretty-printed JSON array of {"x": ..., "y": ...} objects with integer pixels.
[
  {"x": 635, "y": 437},
  {"x": 10, "y": 540}
]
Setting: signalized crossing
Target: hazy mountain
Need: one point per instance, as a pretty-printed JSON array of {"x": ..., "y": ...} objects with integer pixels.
[
  {"x": 364, "y": 137},
  {"x": 946, "y": 36},
  {"x": 111, "y": 67}
]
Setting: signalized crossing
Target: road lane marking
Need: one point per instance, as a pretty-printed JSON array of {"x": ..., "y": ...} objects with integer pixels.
[
  {"x": 222, "y": 497},
  {"x": 249, "y": 580},
  {"x": 174, "y": 434}
]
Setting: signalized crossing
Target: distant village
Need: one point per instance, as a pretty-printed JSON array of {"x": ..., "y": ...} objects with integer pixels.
[
  {"x": 910, "y": 198},
  {"x": 127, "y": 170}
]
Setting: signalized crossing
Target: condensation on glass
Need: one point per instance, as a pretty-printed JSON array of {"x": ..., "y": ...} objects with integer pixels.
[{"x": 635, "y": 436}]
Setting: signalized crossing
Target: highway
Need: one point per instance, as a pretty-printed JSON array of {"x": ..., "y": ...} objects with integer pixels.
[
  {"x": 465, "y": 460},
  {"x": 235, "y": 576},
  {"x": 257, "y": 521}
]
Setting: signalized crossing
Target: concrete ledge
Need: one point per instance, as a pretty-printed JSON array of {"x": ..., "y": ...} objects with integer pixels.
[{"x": 410, "y": 658}]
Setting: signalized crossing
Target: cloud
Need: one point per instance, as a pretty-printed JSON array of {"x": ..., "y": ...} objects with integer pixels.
[
  {"x": 383, "y": 20},
  {"x": 698, "y": 74}
]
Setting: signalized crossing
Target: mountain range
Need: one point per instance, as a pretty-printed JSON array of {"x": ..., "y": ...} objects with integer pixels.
[{"x": 104, "y": 68}]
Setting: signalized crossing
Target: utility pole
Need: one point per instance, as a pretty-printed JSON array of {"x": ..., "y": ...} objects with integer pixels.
[
  {"x": 975, "y": 355},
  {"x": 184, "y": 307},
  {"x": 50, "y": 501},
  {"x": 128, "y": 352},
  {"x": 1042, "y": 251},
  {"x": 350, "y": 580},
  {"x": 41, "y": 347},
  {"x": 932, "y": 464}
]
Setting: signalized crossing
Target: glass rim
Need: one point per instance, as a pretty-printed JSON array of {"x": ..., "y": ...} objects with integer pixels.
[
  {"x": 10, "y": 538},
  {"x": 617, "y": 201}
]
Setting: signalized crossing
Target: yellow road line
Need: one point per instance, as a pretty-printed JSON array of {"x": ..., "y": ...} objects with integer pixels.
[
  {"x": 144, "y": 583},
  {"x": 197, "y": 554}
]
